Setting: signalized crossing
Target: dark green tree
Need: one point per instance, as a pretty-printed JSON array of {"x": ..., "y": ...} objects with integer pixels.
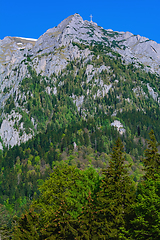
[
  {"x": 146, "y": 223},
  {"x": 27, "y": 227},
  {"x": 115, "y": 197},
  {"x": 5, "y": 217},
  {"x": 152, "y": 157},
  {"x": 87, "y": 221}
]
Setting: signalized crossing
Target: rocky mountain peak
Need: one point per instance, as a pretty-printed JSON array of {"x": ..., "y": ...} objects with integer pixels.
[
  {"x": 73, "y": 40},
  {"x": 70, "y": 21}
]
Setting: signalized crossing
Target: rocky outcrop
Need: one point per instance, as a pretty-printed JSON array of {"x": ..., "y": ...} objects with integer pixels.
[
  {"x": 119, "y": 126},
  {"x": 10, "y": 134},
  {"x": 54, "y": 50}
]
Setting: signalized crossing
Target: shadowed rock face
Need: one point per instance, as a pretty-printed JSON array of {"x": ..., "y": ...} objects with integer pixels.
[{"x": 54, "y": 49}]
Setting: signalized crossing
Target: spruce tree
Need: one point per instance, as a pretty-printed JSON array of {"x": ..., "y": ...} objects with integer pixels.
[
  {"x": 61, "y": 226},
  {"x": 87, "y": 221},
  {"x": 27, "y": 227},
  {"x": 115, "y": 197},
  {"x": 152, "y": 157},
  {"x": 146, "y": 221}
]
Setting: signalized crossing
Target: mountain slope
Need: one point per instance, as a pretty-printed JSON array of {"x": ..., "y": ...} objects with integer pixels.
[
  {"x": 77, "y": 65},
  {"x": 67, "y": 97}
]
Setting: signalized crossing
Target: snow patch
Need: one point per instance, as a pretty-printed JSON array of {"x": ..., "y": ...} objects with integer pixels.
[{"x": 29, "y": 39}]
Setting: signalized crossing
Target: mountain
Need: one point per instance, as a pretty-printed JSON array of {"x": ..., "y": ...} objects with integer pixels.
[
  {"x": 67, "y": 97},
  {"x": 92, "y": 68}
]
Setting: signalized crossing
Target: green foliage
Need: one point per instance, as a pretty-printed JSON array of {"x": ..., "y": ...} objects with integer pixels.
[
  {"x": 146, "y": 222},
  {"x": 152, "y": 158},
  {"x": 86, "y": 224},
  {"x": 6, "y": 90},
  {"x": 60, "y": 226},
  {"x": 74, "y": 126},
  {"x": 116, "y": 196},
  {"x": 27, "y": 227},
  {"x": 110, "y": 209},
  {"x": 5, "y": 222},
  {"x": 69, "y": 184}
]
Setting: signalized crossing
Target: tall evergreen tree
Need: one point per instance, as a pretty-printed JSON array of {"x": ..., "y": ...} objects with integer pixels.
[
  {"x": 27, "y": 227},
  {"x": 61, "y": 226},
  {"x": 87, "y": 221},
  {"x": 116, "y": 195},
  {"x": 152, "y": 157},
  {"x": 146, "y": 221}
]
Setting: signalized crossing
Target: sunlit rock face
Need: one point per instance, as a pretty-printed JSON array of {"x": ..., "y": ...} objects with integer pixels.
[{"x": 50, "y": 54}]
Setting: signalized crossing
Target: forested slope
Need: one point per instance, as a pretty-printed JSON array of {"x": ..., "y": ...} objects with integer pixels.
[{"x": 64, "y": 103}]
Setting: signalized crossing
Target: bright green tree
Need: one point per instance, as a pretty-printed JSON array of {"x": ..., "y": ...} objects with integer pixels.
[
  {"x": 146, "y": 223},
  {"x": 61, "y": 226},
  {"x": 60, "y": 202},
  {"x": 66, "y": 183}
]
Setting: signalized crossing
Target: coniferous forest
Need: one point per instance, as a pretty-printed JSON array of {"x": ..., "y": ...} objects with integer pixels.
[
  {"x": 78, "y": 176},
  {"x": 87, "y": 203}
]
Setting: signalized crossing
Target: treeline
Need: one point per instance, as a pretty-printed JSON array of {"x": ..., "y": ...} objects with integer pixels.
[
  {"x": 83, "y": 143},
  {"x": 87, "y": 204},
  {"x": 79, "y": 137}
]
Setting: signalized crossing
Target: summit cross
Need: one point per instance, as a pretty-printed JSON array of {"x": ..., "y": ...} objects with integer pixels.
[{"x": 91, "y": 17}]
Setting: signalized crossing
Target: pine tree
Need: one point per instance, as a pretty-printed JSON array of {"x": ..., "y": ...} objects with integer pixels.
[
  {"x": 116, "y": 195},
  {"x": 61, "y": 226},
  {"x": 87, "y": 221},
  {"x": 27, "y": 227},
  {"x": 152, "y": 157},
  {"x": 146, "y": 221}
]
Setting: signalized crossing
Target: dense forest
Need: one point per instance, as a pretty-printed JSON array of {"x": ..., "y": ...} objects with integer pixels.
[
  {"x": 77, "y": 203},
  {"x": 78, "y": 177}
]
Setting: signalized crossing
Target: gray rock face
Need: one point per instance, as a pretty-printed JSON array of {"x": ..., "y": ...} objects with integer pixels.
[
  {"x": 51, "y": 53},
  {"x": 153, "y": 93},
  {"x": 1, "y": 147},
  {"x": 119, "y": 126},
  {"x": 9, "y": 134}
]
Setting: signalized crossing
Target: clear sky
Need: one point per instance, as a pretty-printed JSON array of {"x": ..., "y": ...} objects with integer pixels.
[{"x": 31, "y": 18}]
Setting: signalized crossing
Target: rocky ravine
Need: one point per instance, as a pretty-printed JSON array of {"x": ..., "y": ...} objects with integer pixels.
[{"x": 52, "y": 52}]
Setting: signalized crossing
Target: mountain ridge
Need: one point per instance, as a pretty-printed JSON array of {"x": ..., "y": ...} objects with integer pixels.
[{"x": 76, "y": 41}]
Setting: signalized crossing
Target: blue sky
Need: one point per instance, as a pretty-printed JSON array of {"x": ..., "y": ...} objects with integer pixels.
[{"x": 32, "y": 18}]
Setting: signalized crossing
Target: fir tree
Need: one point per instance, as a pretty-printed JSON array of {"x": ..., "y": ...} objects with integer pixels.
[
  {"x": 61, "y": 226},
  {"x": 87, "y": 221},
  {"x": 152, "y": 157},
  {"x": 27, "y": 227},
  {"x": 146, "y": 221},
  {"x": 115, "y": 197}
]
